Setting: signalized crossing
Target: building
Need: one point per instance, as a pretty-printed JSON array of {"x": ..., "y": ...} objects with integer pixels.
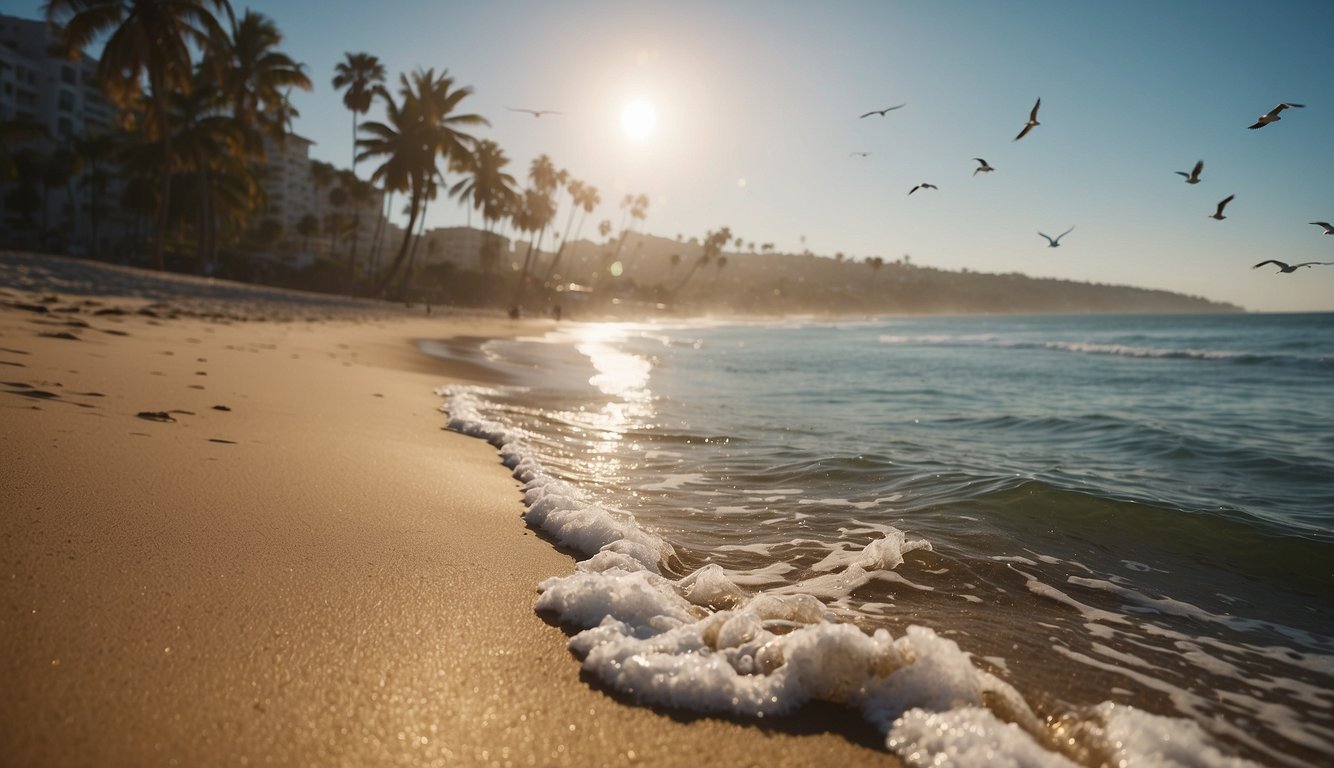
[
  {"x": 289, "y": 191},
  {"x": 460, "y": 246},
  {"x": 39, "y": 85}
]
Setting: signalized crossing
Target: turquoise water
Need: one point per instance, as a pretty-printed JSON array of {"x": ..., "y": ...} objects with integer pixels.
[{"x": 1128, "y": 509}]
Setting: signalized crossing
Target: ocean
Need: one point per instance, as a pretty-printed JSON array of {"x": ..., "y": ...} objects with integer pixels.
[{"x": 1044, "y": 540}]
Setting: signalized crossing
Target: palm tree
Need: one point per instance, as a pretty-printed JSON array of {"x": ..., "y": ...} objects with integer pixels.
[
  {"x": 307, "y": 227},
  {"x": 96, "y": 150},
  {"x": 322, "y": 177},
  {"x": 361, "y": 75},
  {"x": 256, "y": 78},
  {"x": 713, "y": 246},
  {"x": 636, "y": 209},
  {"x": 875, "y": 263},
  {"x": 489, "y": 189},
  {"x": 208, "y": 146},
  {"x": 12, "y": 134},
  {"x": 146, "y": 40},
  {"x": 585, "y": 198},
  {"x": 533, "y": 217},
  {"x": 419, "y": 129}
]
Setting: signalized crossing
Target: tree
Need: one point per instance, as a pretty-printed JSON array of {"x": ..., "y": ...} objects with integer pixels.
[
  {"x": 713, "y": 247},
  {"x": 360, "y": 75},
  {"x": 219, "y": 188},
  {"x": 584, "y": 197},
  {"x": 13, "y": 133},
  {"x": 255, "y": 78},
  {"x": 146, "y": 40},
  {"x": 489, "y": 189},
  {"x": 533, "y": 217},
  {"x": 419, "y": 129},
  {"x": 307, "y": 227},
  {"x": 96, "y": 150}
]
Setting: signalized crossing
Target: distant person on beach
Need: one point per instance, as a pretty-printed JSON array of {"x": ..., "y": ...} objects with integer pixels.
[{"x": 514, "y": 311}]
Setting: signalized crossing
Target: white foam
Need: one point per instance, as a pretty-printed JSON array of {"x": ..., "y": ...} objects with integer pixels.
[{"x": 705, "y": 643}]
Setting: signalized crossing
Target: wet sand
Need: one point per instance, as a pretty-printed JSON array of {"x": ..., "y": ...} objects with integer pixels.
[{"x": 236, "y": 532}]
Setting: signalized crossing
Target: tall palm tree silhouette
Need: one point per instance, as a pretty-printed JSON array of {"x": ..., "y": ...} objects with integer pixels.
[
  {"x": 360, "y": 75},
  {"x": 419, "y": 130}
]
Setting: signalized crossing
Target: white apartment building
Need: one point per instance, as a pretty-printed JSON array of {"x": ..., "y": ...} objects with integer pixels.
[
  {"x": 460, "y": 246},
  {"x": 39, "y": 85}
]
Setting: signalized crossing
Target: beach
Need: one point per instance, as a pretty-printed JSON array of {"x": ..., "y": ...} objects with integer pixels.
[{"x": 237, "y": 532}]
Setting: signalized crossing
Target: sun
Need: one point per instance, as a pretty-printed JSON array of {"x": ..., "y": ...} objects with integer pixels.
[{"x": 639, "y": 119}]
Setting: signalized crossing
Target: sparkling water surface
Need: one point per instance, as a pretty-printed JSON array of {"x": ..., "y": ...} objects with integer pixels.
[{"x": 1132, "y": 511}]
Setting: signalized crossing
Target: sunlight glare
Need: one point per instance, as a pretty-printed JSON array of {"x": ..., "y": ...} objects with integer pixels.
[{"x": 639, "y": 119}]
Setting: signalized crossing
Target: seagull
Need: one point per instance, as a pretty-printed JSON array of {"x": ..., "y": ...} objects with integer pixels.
[
  {"x": 882, "y": 112},
  {"x": 1272, "y": 115},
  {"x": 1032, "y": 121},
  {"x": 1329, "y": 229},
  {"x": 1218, "y": 214},
  {"x": 923, "y": 185},
  {"x": 859, "y": 154},
  {"x": 1194, "y": 176},
  {"x": 536, "y": 112},
  {"x": 1056, "y": 243},
  {"x": 1286, "y": 268},
  {"x": 983, "y": 168}
]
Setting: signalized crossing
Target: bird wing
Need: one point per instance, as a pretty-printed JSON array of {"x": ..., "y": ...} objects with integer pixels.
[
  {"x": 1034, "y": 114},
  {"x": 914, "y": 189},
  {"x": 1222, "y": 203},
  {"x": 1063, "y": 234},
  {"x": 1287, "y": 104},
  {"x": 1024, "y": 132},
  {"x": 1053, "y": 242},
  {"x": 872, "y": 112},
  {"x": 1195, "y": 172},
  {"x": 1260, "y": 124},
  {"x": 1324, "y": 224},
  {"x": 1280, "y": 264},
  {"x": 1182, "y": 173}
]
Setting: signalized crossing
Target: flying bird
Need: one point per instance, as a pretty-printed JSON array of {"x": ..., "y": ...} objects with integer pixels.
[
  {"x": 1056, "y": 243},
  {"x": 882, "y": 112},
  {"x": 1218, "y": 214},
  {"x": 923, "y": 185},
  {"x": 859, "y": 154},
  {"x": 1272, "y": 115},
  {"x": 1032, "y": 121},
  {"x": 535, "y": 112},
  {"x": 1329, "y": 229},
  {"x": 1286, "y": 268},
  {"x": 1194, "y": 176},
  {"x": 983, "y": 168}
]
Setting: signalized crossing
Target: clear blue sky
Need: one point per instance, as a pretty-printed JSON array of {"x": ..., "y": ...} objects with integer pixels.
[{"x": 758, "y": 104}]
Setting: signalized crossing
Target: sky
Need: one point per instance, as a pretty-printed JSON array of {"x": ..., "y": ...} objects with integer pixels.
[{"x": 757, "y": 108}]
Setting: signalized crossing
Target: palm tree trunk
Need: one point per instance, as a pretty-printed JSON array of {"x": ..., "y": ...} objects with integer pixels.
[
  {"x": 164, "y": 193},
  {"x": 564, "y": 240},
  {"x": 381, "y": 217},
  {"x": 384, "y": 281}
]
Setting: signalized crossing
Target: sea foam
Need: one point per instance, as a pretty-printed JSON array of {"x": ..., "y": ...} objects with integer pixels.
[{"x": 704, "y": 643}]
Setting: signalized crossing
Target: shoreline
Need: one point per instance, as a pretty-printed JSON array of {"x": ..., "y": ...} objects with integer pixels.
[{"x": 320, "y": 573}]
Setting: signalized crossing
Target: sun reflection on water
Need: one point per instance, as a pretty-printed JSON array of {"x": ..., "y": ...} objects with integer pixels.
[{"x": 624, "y": 378}]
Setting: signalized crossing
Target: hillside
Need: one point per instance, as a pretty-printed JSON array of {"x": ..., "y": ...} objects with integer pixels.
[{"x": 779, "y": 283}]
